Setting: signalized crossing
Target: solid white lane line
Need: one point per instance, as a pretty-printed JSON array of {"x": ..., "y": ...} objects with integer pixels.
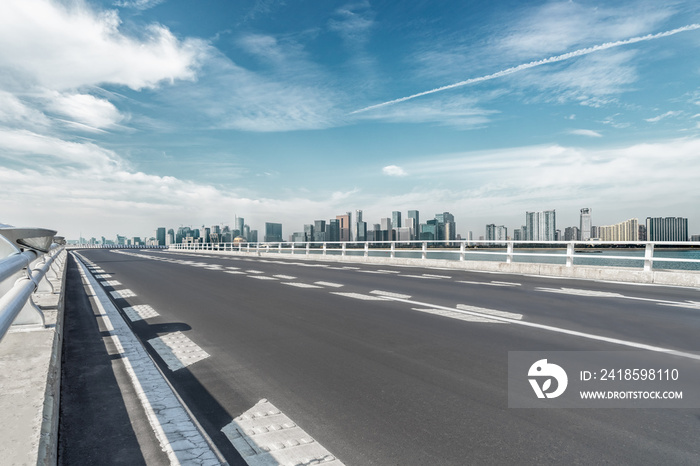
[
  {"x": 551, "y": 328},
  {"x": 390, "y": 294},
  {"x": 332, "y": 285},
  {"x": 606, "y": 294},
  {"x": 178, "y": 435},
  {"x": 140, "y": 312},
  {"x": 177, "y": 350},
  {"x": 687, "y": 305},
  {"x": 264, "y": 436},
  {"x": 126, "y": 293}
]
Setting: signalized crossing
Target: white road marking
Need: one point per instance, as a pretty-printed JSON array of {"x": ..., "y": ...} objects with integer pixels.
[
  {"x": 177, "y": 434},
  {"x": 550, "y": 328},
  {"x": 285, "y": 277},
  {"x": 262, "y": 277},
  {"x": 373, "y": 271},
  {"x": 390, "y": 294},
  {"x": 492, "y": 283},
  {"x": 388, "y": 271},
  {"x": 264, "y": 436},
  {"x": 435, "y": 276},
  {"x": 233, "y": 268},
  {"x": 300, "y": 285},
  {"x": 140, "y": 312},
  {"x": 110, "y": 283},
  {"x": 102, "y": 276},
  {"x": 177, "y": 350},
  {"x": 491, "y": 312},
  {"x": 420, "y": 276},
  {"x": 235, "y": 272},
  {"x": 332, "y": 285},
  {"x": 364, "y": 297},
  {"x": 255, "y": 271},
  {"x": 126, "y": 293},
  {"x": 578, "y": 292},
  {"x": 457, "y": 315},
  {"x": 687, "y": 305}
]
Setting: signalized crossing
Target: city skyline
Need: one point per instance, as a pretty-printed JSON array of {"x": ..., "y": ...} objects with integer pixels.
[{"x": 118, "y": 115}]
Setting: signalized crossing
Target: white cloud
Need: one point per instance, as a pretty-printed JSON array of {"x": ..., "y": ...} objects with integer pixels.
[
  {"x": 66, "y": 46},
  {"x": 394, "y": 170},
  {"x": 15, "y": 113},
  {"x": 663, "y": 116},
  {"x": 84, "y": 109},
  {"x": 586, "y": 132},
  {"x": 138, "y": 4}
]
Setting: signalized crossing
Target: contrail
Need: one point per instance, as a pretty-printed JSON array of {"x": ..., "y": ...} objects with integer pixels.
[{"x": 532, "y": 64}]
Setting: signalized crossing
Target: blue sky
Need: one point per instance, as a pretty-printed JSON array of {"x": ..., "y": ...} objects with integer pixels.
[{"x": 122, "y": 116}]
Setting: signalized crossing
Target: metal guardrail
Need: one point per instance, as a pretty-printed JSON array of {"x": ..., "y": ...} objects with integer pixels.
[
  {"x": 112, "y": 246},
  {"x": 21, "y": 274},
  {"x": 568, "y": 253}
]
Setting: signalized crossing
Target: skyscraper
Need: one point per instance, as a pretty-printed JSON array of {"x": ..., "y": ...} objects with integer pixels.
[
  {"x": 585, "y": 224},
  {"x": 357, "y": 226},
  {"x": 415, "y": 215},
  {"x": 667, "y": 229},
  {"x": 541, "y": 226},
  {"x": 396, "y": 219},
  {"x": 344, "y": 226},
  {"x": 160, "y": 236},
  {"x": 273, "y": 232}
]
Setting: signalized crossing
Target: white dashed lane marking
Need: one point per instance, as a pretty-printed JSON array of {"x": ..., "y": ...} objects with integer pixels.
[
  {"x": 235, "y": 272},
  {"x": 457, "y": 315},
  {"x": 262, "y": 277},
  {"x": 492, "y": 283},
  {"x": 285, "y": 277},
  {"x": 491, "y": 312},
  {"x": 126, "y": 293},
  {"x": 177, "y": 350},
  {"x": 110, "y": 283},
  {"x": 390, "y": 294},
  {"x": 140, "y": 312},
  {"x": 365, "y": 297},
  {"x": 264, "y": 436},
  {"x": 255, "y": 271},
  {"x": 301, "y": 285},
  {"x": 330, "y": 284}
]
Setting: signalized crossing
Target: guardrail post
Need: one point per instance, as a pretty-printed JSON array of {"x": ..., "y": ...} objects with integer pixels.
[
  {"x": 570, "y": 254},
  {"x": 366, "y": 249},
  {"x": 509, "y": 253},
  {"x": 393, "y": 249},
  {"x": 424, "y": 251},
  {"x": 279, "y": 248},
  {"x": 461, "y": 251},
  {"x": 648, "y": 257},
  {"x": 308, "y": 248},
  {"x": 344, "y": 249},
  {"x": 293, "y": 244},
  {"x": 324, "y": 249}
]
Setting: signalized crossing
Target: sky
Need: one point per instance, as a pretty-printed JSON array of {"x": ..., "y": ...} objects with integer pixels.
[{"x": 121, "y": 116}]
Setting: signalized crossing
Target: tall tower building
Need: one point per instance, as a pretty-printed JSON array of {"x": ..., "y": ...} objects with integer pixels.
[
  {"x": 415, "y": 215},
  {"x": 541, "y": 226},
  {"x": 585, "y": 224},
  {"x": 396, "y": 219}
]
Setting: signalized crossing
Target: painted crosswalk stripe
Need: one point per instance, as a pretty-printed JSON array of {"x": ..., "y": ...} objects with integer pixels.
[
  {"x": 140, "y": 312},
  {"x": 330, "y": 284},
  {"x": 264, "y": 436},
  {"x": 125, "y": 293},
  {"x": 177, "y": 350}
]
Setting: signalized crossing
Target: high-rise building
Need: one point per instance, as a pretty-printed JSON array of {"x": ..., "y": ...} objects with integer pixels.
[
  {"x": 273, "y": 232},
  {"x": 667, "y": 229},
  {"x": 320, "y": 230},
  {"x": 572, "y": 234},
  {"x": 160, "y": 236},
  {"x": 386, "y": 229},
  {"x": 642, "y": 233},
  {"x": 623, "y": 231},
  {"x": 333, "y": 230},
  {"x": 585, "y": 225},
  {"x": 356, "y": 226},
  {"x": 415, "y": 215},
  {"x": 496, "y": 233},
  {"x": 446, "y": 228},
  {"x": 396, "y": 219},
  {"x": 541, "y": 226},
  {"x": 240, "y": 223},
  {"x": 344, "y": 226},
  {"x": 308, "y": 232}
]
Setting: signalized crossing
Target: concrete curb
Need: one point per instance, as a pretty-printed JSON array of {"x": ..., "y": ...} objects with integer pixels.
[{"x": 687, "y": 278}]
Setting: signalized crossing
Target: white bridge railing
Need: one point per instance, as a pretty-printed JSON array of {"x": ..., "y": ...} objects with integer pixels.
[
  {"x": 666, "y": 254},
  {"x": 27, "y": 259}
]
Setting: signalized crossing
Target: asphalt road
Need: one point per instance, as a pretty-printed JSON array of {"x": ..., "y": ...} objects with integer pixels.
[{"x": 378, "y": 383}]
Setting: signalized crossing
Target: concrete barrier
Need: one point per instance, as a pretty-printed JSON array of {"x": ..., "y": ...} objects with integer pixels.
[{"x": 30, "y": 364}]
